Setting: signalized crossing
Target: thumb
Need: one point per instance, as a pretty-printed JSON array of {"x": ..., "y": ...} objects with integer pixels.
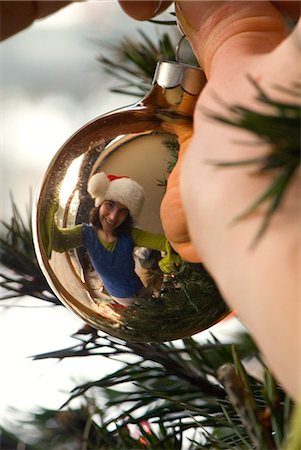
[{"x": 223, "y": 32}]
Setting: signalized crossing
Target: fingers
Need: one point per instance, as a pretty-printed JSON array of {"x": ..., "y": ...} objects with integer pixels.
[
  {"x": 222, "y": 31},
  {"x": 234, "y": 40},
  {"x": 171, "y": 211},
  {"x": 143, "y": 10},
  {"x": 17, "y": 15}
]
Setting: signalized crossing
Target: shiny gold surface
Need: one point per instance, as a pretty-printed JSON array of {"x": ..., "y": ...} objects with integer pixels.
[{"x": 131, "y": 142}]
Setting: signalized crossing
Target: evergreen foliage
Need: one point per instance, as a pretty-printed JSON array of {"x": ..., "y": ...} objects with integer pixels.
[
  {"x": 20, "y": 274},
  {"x": 169, "y": 395},
  {"x": 136, "y": 62},
  {"x": 280, "y": 129}
]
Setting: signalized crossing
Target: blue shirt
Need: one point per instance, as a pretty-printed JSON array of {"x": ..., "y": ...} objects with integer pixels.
[{"x": 116, "y": 268}]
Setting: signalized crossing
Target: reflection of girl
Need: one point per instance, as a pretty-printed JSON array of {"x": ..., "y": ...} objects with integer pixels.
[{"x": 111, "y": 236}]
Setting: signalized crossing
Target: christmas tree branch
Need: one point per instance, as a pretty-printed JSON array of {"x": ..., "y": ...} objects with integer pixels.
[
  {"x": 17, "y": 256},
  {"x": 135, "y": 62},
  {"x": 167, "y": 388}
]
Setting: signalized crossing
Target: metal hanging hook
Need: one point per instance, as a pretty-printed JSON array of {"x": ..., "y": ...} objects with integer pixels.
[
  {"x": 177, "y": 51},
  {"x": 178, "y": 47}
]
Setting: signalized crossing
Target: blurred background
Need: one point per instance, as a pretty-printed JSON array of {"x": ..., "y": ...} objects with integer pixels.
[{"x": 51, "y": 85}]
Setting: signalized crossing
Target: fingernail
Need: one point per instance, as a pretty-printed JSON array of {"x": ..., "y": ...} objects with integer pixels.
[{"x": 158, "y": 7}]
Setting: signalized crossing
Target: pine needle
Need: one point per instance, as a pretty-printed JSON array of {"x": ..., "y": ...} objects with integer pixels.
[{"x": 280, "y": 129}]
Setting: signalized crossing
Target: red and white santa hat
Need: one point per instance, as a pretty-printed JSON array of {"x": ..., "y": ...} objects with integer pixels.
[{"x": 119, "y": 189}]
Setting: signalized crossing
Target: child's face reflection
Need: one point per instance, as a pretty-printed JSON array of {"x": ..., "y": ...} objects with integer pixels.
[{"x": 112, "y": 214}]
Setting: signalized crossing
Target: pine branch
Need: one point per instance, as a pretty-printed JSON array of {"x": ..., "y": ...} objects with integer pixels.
[
  {"x": 165, "y": 22},
  {"x": 162, "y": 397},
  {"x": 237, "y": 385},
  {"x": 17, "y": 256},
  {"x": 167, "y": 388},
  {"x": 136, "y": 62}
]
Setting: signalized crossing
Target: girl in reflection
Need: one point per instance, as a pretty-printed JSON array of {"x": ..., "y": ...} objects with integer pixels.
[{"x": 110, "y": 237}]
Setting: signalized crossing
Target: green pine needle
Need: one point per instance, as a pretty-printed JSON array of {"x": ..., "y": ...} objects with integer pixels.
[
  {"x": 159, "y": 389},
  {"x": 21, "y": 274},
  {"x": 280, "y": 129},
  {"x": 163, "y": 22},
  {"x": 134, "y": 62},
  {"x": 166, "y": 389}
]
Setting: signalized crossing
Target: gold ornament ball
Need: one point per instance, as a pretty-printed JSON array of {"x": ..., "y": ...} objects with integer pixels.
[{"x": 132, "y": 142}]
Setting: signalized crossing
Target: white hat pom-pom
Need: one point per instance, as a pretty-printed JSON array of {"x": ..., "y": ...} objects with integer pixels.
[{"x": 98, "y": 185}]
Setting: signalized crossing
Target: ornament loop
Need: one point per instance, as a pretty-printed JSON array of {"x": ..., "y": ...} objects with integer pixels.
[
  {"x": 178, "y": 47},
  {"x": 170, "y": 74}
]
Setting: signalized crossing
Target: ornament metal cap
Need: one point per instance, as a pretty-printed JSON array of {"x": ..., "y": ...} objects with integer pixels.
[{"x": 169, "y": 74}]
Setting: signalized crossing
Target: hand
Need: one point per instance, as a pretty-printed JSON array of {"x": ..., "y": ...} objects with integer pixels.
[
  {"x": 233, "y": 40},
  {"x": 17, "y": 15}
]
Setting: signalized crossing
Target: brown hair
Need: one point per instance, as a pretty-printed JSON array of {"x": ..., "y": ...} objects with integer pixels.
[{"x": 124, "y": 228}]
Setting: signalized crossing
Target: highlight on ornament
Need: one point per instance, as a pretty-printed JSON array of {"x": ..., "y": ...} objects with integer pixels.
[{"x": 97, "y": 228}]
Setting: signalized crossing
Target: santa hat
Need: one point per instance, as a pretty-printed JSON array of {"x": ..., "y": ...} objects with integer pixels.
[{"x": 119, "y": 189}]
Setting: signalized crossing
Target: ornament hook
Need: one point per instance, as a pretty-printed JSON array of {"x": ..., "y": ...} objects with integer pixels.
[{"x": 178, "y": 47}]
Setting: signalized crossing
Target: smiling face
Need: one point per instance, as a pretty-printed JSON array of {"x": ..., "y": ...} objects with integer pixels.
[{"x": 111, "y": 215}]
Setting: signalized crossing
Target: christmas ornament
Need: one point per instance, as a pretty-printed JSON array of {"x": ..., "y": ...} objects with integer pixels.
[{"x": 178, "y": 298}]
